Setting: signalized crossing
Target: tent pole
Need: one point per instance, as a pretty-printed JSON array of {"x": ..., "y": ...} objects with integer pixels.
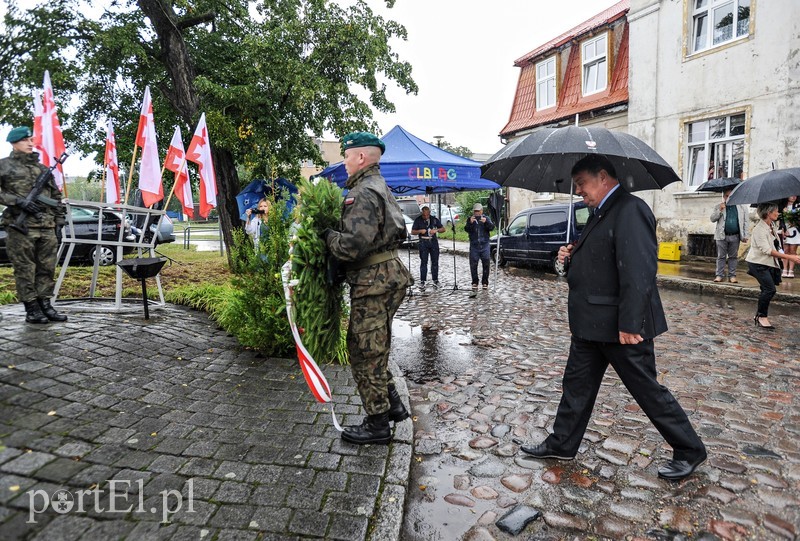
[{"x": 453, "y": 228}]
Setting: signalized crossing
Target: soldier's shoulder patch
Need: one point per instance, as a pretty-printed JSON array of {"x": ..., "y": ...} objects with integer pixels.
[{"x": 349, "y": 200}]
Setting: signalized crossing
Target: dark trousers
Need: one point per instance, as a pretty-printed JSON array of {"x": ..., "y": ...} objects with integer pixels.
[
  {"x": 767, "y": 278},
  {"x": 428, "y": 247},
  {"x": 479, "y": 252},
  {"x": 33, "y": 257},
  {"x": 636, "y": 367}
]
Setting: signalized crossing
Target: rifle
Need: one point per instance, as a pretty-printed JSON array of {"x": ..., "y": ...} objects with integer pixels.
[{"x": 36, "y": 194}]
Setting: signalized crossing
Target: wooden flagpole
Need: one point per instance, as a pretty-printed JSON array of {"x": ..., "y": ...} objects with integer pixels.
[
  {"x": 130, "y": 174},
  {"x": 103, "y": 179},
  {"x": 172, "y": 191}
]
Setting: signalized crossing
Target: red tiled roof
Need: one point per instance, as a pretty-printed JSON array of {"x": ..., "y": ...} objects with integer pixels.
[
  {"x": 570, "y": 99},
  {"x": 608, "y": 16}
]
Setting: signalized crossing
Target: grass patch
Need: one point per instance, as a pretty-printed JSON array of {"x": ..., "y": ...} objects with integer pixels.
[{"x": 190, "y": 269}]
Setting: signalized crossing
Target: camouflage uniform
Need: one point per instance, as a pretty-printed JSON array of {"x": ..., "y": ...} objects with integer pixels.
[
  {"x": 33, "y": 256},
  {"x": 372, "y": 224}
]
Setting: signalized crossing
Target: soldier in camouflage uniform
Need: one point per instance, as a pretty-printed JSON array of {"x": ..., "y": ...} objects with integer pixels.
[
  {"x": 34, "y": 255},
  {"x": 372, "y": 226}
]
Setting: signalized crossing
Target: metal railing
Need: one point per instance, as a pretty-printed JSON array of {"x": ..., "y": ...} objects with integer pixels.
[{"x": 187, "y": 235}]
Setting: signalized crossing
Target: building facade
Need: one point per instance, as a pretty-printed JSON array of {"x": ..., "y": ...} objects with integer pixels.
[{"x": 712, "y": 85}]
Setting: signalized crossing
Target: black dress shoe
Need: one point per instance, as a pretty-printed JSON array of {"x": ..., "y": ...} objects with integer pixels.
[
  {"x": 675, "y": 470},
  {"x": 543, "y": 451}
]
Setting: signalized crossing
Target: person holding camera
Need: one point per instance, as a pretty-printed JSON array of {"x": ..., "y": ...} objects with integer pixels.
[
  {"x": 427, "y": 226},
  {"x": 33, "y": 255},
  {"x": 256, "y": 225},
  {"x": 478, "y": 227}
]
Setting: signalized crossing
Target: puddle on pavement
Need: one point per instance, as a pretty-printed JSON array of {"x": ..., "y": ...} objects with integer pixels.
[{"x": 430, "y": 354}]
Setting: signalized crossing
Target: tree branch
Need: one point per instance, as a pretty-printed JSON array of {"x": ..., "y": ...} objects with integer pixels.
[{"x": 189, "y": 22}]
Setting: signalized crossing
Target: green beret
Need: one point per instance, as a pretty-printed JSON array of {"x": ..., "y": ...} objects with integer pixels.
[
  {"x": 362, "y": 139},
  {"x": 18, "y": 134}
]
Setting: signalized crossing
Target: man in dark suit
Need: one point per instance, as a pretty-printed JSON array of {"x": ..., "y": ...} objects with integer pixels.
[{"x": 614, "y": 314}]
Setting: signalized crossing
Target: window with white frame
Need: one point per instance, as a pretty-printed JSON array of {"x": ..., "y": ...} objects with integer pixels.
[
  {"x": 715, "y": 148},
  {"x": 594, "y": 58},
  {"x": 715, "y": 22},
  {"x": 546, "y": 83}
]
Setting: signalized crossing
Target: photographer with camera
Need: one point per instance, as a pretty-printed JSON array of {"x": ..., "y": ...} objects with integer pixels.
[
  {"x": 256, "y": 225},
  {"x": 478, "y": 227},
  {"x": 427, "y": 226}
]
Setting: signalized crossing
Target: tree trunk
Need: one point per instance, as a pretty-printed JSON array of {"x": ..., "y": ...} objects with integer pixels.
[
  {"x": 183, "y": 97},
  {"x": 228, "y": 185}
]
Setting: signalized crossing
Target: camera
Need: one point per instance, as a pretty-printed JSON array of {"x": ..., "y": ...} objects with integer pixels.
[{"x": 257, "y": 211}]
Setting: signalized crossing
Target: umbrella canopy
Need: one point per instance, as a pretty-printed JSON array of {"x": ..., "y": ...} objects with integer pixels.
[
  {"x": 259, "y": 188},
  {"x": 718, "y": 184},
  {"x": 543, "y": 160},
  {"x": 411, "y": 167},
  {"x": 770, "y": 186}
]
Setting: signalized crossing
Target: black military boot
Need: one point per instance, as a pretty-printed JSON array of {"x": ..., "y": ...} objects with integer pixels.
[
  {"x": 50, "y": 312},
  {"x": 397, "y": 411},
  {"x": 33, "y": 313},
  {"x": 374, "y": 429}
]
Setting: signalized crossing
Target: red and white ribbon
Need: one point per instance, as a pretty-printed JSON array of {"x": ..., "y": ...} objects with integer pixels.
[{"x": 314, "y": 377}]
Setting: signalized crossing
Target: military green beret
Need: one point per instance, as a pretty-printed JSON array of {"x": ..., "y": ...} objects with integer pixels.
[
  {"x": 18, "y": 134},
  {"x": 362, "y": 139}
]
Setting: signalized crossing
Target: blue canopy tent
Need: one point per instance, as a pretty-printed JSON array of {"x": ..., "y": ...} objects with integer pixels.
[
  {"x": 412, "y": 167},
  {"x": 252, "y": 193}
]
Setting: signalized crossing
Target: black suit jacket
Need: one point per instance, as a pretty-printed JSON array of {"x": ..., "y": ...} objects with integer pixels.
[{"x": 612, "y": 273}]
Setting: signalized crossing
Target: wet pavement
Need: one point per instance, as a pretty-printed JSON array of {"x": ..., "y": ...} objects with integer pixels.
[
  {"x": 738, "y": 384},
  {"x": 114, "y": 427}
]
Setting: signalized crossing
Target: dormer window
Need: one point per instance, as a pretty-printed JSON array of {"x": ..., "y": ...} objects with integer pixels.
[
  {"x": 594, "y": 58},
  {"x": 546, "y": 83}
]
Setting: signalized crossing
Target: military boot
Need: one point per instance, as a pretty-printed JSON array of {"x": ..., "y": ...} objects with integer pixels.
[
  {"x": 374, "y": 429},
  {"x": 397, "y": 411},
  {"x": 33, "y": 313},
  {"x": 50, "y": 312}
]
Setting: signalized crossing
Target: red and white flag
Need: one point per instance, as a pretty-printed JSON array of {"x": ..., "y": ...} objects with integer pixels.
[
  {"x": 149, "y": 171},
  {"x": 111, "y": 166},
  {"x": 47, "y": 134},
  {"x": 200, "y": 153},
  {"x": 176, "y": 162}
]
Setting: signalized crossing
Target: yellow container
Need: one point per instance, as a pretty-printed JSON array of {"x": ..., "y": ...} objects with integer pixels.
[{"x": 669, "y": 251}]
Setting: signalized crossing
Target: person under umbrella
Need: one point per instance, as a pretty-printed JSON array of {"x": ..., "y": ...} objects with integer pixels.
[
  {"x": 731, "y": 229},
  {"x": 615, "y": 313},
  {"x": 762, "y": 260}
]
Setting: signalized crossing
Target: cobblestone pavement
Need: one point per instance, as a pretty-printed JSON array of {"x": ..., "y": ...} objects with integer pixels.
[
  {"x": 172, "y": 408},
  {"x": 738, "y": 384}
]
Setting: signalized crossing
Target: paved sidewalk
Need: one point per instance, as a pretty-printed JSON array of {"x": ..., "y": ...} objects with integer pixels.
[{"x": 174, "y": 404}]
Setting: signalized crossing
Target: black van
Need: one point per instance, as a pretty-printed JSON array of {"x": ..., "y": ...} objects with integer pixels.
[{"x": 536, "y": 234}]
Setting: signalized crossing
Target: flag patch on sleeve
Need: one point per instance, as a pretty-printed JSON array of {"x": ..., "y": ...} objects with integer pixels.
[{"x": 349, "y": 200}]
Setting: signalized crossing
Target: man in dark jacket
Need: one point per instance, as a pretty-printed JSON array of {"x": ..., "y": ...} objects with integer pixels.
[
  {"x": 33, "y": 255},
  {"x": 371, "y": 228},
  {"x": 614, "y": 314},
  {"x": 478, "y": 227}
]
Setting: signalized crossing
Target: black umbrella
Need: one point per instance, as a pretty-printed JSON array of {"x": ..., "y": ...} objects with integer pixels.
[
  {"x": 543, "y": 160},
  {"x": 770, "y": 186},
  {"x": 718, "y": 184}
]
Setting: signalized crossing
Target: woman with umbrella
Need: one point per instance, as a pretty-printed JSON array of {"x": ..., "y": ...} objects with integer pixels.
[{"x": 762, "y": 259}]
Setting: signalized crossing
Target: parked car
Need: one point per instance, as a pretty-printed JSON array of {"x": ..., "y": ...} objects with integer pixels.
[
  {"x": 85, "y": 222},
  {"x": 410, "y": 207},
  {"x": 449, "y": 215},
  {"x": 535, "y": 235},
  {"x": 411, "y": 240},
  {"x": 165, "y": 229}
]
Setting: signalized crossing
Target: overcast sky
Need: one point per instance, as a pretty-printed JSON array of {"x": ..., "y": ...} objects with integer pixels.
[{"x": 462, "y": 53}]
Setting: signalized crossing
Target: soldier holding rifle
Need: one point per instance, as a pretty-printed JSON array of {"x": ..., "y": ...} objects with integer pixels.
[{"x": 31, "y": 223}]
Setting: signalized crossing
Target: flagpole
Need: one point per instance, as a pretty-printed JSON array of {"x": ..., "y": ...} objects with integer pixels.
[
  {"x": 172, "y": 191},
  {"x": 103, "y": 181},
  {"x": 130, "y": 174}
]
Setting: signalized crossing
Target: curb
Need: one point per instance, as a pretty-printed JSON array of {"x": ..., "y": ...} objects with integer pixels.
[
  {"x": 710, "y": 288},
  {"x": 388, "y": 521}
]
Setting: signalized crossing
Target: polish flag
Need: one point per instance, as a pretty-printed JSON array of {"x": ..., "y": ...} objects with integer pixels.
[
  {"x": 149, "y": 173},
  {"x": 50, "y": 139},
  {"x": 112, "y": 167},
  {"x": 176, "y": 162},
  {"x": 200, "y": 153}
]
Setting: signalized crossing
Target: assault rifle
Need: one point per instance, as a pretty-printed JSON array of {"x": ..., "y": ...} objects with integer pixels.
[{"x": 36, "y": 195}]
